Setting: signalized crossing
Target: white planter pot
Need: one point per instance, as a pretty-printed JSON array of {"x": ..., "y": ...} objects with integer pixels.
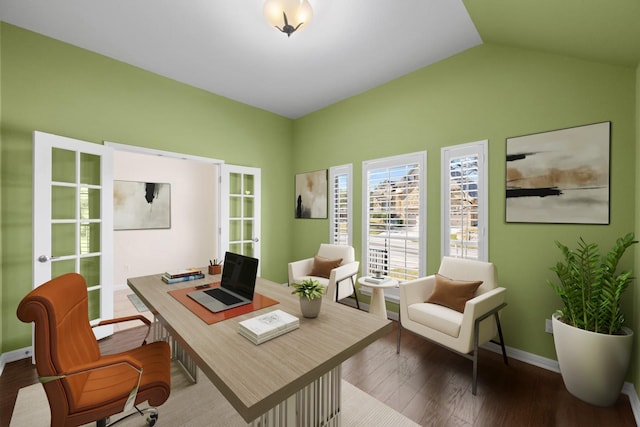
[
  {"x": 593, "y": 366},
  {"x": 310, "y": 308}
]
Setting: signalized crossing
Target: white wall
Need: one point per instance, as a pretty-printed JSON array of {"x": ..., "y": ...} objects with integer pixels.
[{"x": 192, "y": 239}]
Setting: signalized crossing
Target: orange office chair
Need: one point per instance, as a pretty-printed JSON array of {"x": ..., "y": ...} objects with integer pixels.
[{"x": 82, "y": 385}]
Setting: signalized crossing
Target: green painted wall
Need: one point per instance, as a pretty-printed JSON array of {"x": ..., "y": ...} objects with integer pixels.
[
  {"x": 488, "y": 92},
  {"x": 1, "y": 222},
  {"x": 57, "y": 88},
  {"x": 636, "y": 303}
]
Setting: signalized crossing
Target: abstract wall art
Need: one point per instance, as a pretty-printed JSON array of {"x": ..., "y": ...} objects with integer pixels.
[
  {"x": 560, "y": 176},
  {"x": 141, "y": 205},
  {"x": 311, "y": 194}
]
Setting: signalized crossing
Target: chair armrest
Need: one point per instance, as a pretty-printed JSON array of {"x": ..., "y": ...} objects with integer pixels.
[
  {"x": 417, "y": 290},
  {"x": 345, "y": 271},
  {"x": 127, "y": 319},
  {"x": 476, "y": 308},
  {"x": 484, "y": 303},
  {"x": 124, "y": 319},
  {"x": 300, "y": 268},
  {"x": 335, "y": 289}
]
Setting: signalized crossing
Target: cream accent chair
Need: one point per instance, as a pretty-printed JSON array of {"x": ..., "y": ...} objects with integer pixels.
[
  {"x": 461, "y": 332},
  {"x": 341, "y": 282}
]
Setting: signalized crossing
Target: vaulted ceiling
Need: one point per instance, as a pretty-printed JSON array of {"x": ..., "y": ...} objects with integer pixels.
[{"x": 226, "y": 47}]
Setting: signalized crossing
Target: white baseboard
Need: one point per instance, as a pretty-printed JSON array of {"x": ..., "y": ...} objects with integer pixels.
[
  {"x": 552, "y": 365},
  {"x": 12, "y": 356},
  {"x": 523, "y": 356},
  {"x": 630, "y": 391}
]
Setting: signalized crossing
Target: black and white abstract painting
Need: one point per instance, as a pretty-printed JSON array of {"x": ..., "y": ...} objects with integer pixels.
[
  {"x": 561, "y": 176},
  {"x": 311, "y": 194},
  {"x": 141, "y": 205}
]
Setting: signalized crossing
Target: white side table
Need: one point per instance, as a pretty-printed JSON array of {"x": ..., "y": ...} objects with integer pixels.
[{"x": 377, "y": 305}]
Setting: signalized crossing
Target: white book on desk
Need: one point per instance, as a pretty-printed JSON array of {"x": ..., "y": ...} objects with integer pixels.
[
  {"x": 377, "y": 280},
  {"x": 267, "y": 326}
]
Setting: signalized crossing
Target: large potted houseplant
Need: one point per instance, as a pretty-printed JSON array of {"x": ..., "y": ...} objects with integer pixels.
[
  {"x": 592, "y": 344},
  {"x": 310, "y": 292}
]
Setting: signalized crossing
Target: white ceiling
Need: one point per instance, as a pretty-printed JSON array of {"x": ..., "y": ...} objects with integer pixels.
[{"x": 226, "y": 47}]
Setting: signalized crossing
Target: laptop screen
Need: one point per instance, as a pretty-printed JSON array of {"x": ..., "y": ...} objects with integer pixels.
[{"x": 239, "y": 274}]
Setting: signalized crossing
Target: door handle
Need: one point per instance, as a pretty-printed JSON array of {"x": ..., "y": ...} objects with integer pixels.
[{"x": 45, "y": 258}]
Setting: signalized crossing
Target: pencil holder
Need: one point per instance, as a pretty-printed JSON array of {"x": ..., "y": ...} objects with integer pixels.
[{"x": 215, "y": 269}]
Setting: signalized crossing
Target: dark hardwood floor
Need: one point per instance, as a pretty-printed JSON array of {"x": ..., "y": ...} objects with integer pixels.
[{"x": 426, "y": 383}]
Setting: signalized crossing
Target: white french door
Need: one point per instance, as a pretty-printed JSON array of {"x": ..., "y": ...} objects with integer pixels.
[
  {"x": 240, "y": 216},
  {"x": 73, "y": 217}
]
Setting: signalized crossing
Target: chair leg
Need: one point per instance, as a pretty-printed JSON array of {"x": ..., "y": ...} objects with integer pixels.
[
  {"x": 504, "y": 351},
  {"x": 476, "y": 333},
  {"x": 152, "y": 417},
  {"x": 355, "y": 293},
  {"x": 399, "y": 330}
]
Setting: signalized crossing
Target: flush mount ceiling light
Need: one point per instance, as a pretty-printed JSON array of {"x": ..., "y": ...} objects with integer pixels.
[{"x": 288, "y": 15}]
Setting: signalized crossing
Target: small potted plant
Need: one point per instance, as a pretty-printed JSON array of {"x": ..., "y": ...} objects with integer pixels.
[
  {"x": 310, "y": 292},
  {"x": 592, "y": 345}
]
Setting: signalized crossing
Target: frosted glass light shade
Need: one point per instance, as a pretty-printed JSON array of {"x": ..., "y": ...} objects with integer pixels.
[{"x": 299, "y": 13}]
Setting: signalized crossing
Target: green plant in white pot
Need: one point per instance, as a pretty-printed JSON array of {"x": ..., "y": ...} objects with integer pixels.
[
  {"x": 310, "y": 292},
  {"x": 592, "y": 344}
]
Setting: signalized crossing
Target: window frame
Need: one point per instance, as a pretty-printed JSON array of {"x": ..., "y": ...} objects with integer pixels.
[
  {"x": 419, "y": 158},
  {"x": 335, "y": 171},
  {"x": 479, "y": 148}
]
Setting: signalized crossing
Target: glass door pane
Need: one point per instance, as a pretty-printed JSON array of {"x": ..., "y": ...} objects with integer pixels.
[
  {"x": 241, "y": 214},
  {"x": 72, "y": 192}
]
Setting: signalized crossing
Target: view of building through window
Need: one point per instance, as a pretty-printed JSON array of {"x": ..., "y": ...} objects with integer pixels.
[
  {"x": 463, "y": 209},
  {"x": 393, "y": 220},
  {"x": 464, "y": 204}
]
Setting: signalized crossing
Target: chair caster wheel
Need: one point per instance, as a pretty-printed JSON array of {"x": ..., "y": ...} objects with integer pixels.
[{"x": 152, "y": 418}]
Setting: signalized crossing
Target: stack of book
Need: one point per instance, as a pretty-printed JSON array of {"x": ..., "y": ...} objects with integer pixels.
[
  {"x": 267, "y": 326},
  {"x": 182, "y": 275},
  {"x": 377, "y": 280}
]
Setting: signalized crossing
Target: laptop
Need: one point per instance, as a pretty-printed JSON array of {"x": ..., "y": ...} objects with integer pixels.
[{"x": 236, "y": 287}]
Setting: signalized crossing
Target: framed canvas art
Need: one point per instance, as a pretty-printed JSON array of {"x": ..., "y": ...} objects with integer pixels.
[
  {"x": 141, "y": 205},
  {"x": 311, "y": 194},
  {"x": 561, "y": 176}
]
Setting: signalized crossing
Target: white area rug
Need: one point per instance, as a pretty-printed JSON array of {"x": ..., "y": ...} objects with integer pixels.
[{"x": 202, "y": 404}]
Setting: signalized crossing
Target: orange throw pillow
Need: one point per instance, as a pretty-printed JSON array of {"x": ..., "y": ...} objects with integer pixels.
[
  {"x": 453, "y": 294},
  {"x": 322, "y": 266}
]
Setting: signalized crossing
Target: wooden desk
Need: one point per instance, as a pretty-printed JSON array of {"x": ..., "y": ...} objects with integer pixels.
[{"x": 278, "y": 378}]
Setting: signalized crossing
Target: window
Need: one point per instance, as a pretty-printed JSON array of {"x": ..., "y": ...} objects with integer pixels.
[
  {"x": 464, "y": 201},
  {"x": 394, "y": 207},
  {"x": 340, "y": 206}
]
